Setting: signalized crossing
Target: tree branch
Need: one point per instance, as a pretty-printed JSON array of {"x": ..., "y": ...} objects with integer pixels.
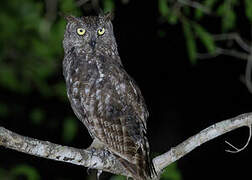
[
  {"x": 81, "y": 2},
  {"x": 232, "y": 36},
  {"x": 205, "y": 135},
  {"x": 107, "y": 162},
  {"x": 220, "y": 51},
  {"x": 84, "y": 157},
  {"x": 196, "y": 5}
]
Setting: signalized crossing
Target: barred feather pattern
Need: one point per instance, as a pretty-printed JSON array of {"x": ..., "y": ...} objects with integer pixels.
[{"x": 103, "y": 96}]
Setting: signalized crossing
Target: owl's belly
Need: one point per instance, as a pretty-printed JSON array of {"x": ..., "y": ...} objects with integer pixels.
[
  {"x": 94, "y": 87},
  {"x": 84, "y": 89}
]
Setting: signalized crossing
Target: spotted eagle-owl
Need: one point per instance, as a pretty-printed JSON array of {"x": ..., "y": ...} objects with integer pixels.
[{"x": 103, "y": 96}]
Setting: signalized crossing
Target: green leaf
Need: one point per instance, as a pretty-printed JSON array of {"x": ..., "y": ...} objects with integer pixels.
[
  {"x": 70, "y": 129},
  {"x": 69, "y": 6},
  {"x": 4, "y": 111},
  {"x": 229, "y": 21},
  {"x": 205, "y": 37},
  {"x": 5, "y": 175},
  {"x": 37, "y": 115},
  {"x": 30, "y": 172},
  {"x": 190, "y": 41},
  {"x": 248, "y": 9},
  {"x": 60, "y": 90},
  {"x": 108, "y": 5},
  {"x": 165, "y": 11},
  {"x": 118, "y": 178},
  {"x": 43, "y": 88},
  {"x": 186, "y": 10},
  {"x": 161, "y": 33},
  {"x": 227, "y": 14},
  {"x": 8, "y": 78},
  {"x": 40, "y": 48},
  {"x": 172, "y": 18},
  {"x": 31, "y": 15},
  {"x": 221, "y": 10},
  {"x": 171, "y": 172},
  {"x": 206, "y": 3},
  {"x": 56, "y": 35},
  {"x": 9, "y": 26},
  {"x": 2, "y": 173},
  {"x": 163, "y": 7}
]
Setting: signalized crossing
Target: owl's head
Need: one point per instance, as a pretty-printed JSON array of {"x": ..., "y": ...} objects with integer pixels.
[{"x": 89, "y": 33}]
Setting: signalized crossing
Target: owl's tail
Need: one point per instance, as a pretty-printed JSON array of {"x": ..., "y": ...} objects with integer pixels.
[{"x": 143, "y": 169}]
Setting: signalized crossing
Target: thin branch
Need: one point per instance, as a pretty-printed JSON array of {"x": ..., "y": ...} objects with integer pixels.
[
  {"x": 106, "y": 161},
  {"x": 239, "y": 149},
  {"x": 51, "y": 10},
  {"x": 94, "y": 3},
  {"x": 244, "y": 147},
  {"x": 195, "y": 5},
  {"x": 81, "y": 2},
  {"x": 232, "y": 36},
  {"x": 221, "y": 51},
  {"x": 248, "y": 74},
  {"x": 208, "y": 55},
  {"x": 248, "y": 70},
  {"x": 89, "y": 5},
  {"x": 205, "y": 135}
]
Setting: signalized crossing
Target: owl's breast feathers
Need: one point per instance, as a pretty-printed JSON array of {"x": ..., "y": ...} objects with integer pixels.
[{"x": 107, "y": 100}]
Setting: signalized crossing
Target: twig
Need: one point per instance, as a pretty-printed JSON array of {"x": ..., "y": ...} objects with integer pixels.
[
  {"x": 244, "y": 147},
  {"x": 81, "y": 2},
  {"x": 221, "y": 51},
  {"x": 205, "y": 135},
  {"x": 232, "y": 36},
  {"x": 195, "y": 5},
  {"x": 51, "y": 10},
  {"x": 248, "y": 74},
  {"x": 248, "y": 70}
]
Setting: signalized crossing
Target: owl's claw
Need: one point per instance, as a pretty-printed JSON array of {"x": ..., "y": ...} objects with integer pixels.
[
  {"x": 88, "y": 170},
  {"x": 92, "y": 151},
  {"x": 99, "y": 172},
  {"x": 105, "y": 153}
]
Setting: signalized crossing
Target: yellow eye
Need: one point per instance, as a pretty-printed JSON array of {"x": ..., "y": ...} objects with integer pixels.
[
  {"x": 81, "y": 31},
  {"x": 101, "y": 31}
]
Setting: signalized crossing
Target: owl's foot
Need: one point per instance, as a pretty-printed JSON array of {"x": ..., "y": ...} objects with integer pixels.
[
  {"x": 99, "y": 172},
  {"x": 92, "y": 152},
  {"x": 105, "y": 153},
  {"x": 88, "y": 170}
]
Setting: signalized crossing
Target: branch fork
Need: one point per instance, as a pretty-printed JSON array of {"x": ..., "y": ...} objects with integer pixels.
[{"x": 105, "y": 161}]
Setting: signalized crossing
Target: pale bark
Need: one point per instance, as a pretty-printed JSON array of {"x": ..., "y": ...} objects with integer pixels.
[{"x": 106, "y": 161}]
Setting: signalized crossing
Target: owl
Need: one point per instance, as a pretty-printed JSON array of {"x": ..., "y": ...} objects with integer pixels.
[{"x": 102, "y": 94}]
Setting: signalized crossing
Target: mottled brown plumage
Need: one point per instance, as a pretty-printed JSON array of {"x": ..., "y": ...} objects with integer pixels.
[{"x": 103, "y": 96}]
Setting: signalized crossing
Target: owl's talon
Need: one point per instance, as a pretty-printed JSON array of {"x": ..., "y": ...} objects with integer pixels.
[
  {"x": 99, "y": 172},
  {"x": 88, "y": 170},
  {"x": 92, "y": 151},
  {"x": 105, "y": 153}
]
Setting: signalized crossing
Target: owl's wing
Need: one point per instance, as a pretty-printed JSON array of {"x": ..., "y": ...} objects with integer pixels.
[{"x": 119, "y": 119}]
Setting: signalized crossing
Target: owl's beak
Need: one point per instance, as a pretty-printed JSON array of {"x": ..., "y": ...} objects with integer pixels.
[{"x": 92, "y": 42}]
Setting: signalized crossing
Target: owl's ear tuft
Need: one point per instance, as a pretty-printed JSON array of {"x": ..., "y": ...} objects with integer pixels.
[
  {"x": 68, "y": 18},
  {"x": 109, "y": 16}
]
